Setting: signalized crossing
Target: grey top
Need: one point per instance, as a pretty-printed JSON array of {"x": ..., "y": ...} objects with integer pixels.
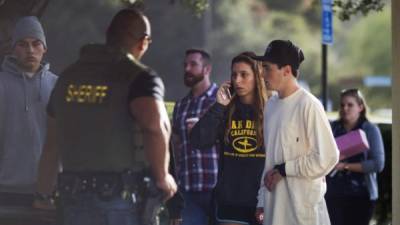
[
  {"x": 351, "y": 184},
  {"x": 375, "y": 158},
  {"x": 23, "y": 118}
]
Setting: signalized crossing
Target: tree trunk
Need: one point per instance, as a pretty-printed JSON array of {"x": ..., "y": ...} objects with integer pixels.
[{"x": 10, "y": 11}]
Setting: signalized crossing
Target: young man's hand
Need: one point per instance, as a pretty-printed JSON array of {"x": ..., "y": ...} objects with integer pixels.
[
  {"x": 271, "y": 178},
  {"x": 259, "y": 215}
]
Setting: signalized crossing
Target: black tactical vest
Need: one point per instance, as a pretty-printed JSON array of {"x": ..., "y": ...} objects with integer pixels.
[{"x": 95, "y": 129}]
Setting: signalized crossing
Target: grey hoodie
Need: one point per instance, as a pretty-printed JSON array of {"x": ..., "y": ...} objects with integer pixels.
[{"x": 23, "y": 102}]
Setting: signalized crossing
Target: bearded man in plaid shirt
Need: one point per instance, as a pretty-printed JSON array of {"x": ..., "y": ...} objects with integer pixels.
[{"x": 196, "y": 169}]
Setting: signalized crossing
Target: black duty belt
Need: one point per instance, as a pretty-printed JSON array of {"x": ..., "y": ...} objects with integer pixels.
[{"x": 105, "y": 184}]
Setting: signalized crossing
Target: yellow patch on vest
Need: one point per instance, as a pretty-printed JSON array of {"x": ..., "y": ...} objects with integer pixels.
[{"x": 93, "y": 94}]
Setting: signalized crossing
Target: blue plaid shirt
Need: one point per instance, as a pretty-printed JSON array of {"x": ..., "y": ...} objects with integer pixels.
[{"x": 196, "y": 169}]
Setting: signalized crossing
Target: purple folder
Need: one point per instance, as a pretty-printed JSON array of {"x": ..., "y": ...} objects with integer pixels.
[{"x": 352, "y": 143}]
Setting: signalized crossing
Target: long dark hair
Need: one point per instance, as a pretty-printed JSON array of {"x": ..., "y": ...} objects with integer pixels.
[{"x": 260, "y": 93}]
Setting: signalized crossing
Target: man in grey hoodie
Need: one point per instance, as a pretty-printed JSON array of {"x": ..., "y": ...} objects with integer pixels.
[{"x": 25, "y": 87}]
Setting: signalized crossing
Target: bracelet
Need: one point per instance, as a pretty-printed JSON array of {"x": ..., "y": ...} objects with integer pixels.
[{"x": 346, "y": 166}]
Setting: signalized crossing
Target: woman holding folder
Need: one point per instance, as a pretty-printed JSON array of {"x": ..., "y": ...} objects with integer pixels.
[{"x": 352, "y": 187}]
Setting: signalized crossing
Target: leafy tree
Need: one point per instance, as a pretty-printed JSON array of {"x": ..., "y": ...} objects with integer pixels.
[
  {"x": 370, "y": 44},
  {"x": 363, "y": 50},
  {"x": 11, "y": 10},
  {"x": 69, "y": 25},
  {"x": 362, "y": 46},
  {"x": 345, "y": 9},
  {"x": 229, "y": 27},
  {"x": 252, "y": 26},
  {"x": 174, "y": 29}
]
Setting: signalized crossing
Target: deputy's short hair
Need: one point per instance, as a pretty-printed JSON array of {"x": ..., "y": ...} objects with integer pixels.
[{"x": 127, "y": 24}]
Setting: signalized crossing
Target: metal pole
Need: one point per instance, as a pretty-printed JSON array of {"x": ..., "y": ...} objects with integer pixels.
[{"x": 324, "y": 79}]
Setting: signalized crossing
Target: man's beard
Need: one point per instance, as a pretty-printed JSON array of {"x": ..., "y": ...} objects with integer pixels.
[{"x": 191, "y": 80}]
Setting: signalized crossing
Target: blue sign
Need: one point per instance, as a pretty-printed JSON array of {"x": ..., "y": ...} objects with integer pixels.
[{"x": 326, "y": 23}]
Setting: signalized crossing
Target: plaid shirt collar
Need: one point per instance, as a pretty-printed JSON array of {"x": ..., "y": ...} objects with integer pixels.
[
  {"x": 208, "y": 93},
  {"x": 197, "y": 169}
]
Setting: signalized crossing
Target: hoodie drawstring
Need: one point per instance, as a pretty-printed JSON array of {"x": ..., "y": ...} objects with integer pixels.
[
  {"x": 25, "y": 94},
  {"x": 40, "y": 86},
  {"x": 25, "y": 89}
]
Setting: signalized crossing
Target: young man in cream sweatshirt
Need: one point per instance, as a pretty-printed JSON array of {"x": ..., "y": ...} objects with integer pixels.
[{"x": 300, "y": 148}]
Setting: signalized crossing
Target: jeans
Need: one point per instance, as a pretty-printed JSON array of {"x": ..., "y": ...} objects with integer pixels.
[
  {"x": 197, "y": 208},
  {"x": 87, "y": 208}
]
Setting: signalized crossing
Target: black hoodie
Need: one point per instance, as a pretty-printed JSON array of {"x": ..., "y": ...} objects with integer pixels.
[{"x": 241, "y": 162}]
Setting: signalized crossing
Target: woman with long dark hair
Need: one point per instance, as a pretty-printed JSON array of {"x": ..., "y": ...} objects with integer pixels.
[
  {"x": 235, "y": 121},
  {"x": 353, "y": 190}
]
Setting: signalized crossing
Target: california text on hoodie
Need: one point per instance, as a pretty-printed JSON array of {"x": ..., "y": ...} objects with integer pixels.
[{"x": 23, "y": 102}]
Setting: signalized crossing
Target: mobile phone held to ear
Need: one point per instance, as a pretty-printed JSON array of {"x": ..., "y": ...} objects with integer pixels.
[{"x": 231, "y": 90}]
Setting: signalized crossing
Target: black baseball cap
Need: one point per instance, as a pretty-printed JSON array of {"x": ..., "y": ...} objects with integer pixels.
[{"x": 282, "y": 52}]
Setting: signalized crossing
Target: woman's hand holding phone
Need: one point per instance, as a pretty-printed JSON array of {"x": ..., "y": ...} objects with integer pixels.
[{"x": 224, "y": 95}]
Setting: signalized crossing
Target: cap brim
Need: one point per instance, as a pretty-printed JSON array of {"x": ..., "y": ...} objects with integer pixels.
[{"x": 261, "y": 58}]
